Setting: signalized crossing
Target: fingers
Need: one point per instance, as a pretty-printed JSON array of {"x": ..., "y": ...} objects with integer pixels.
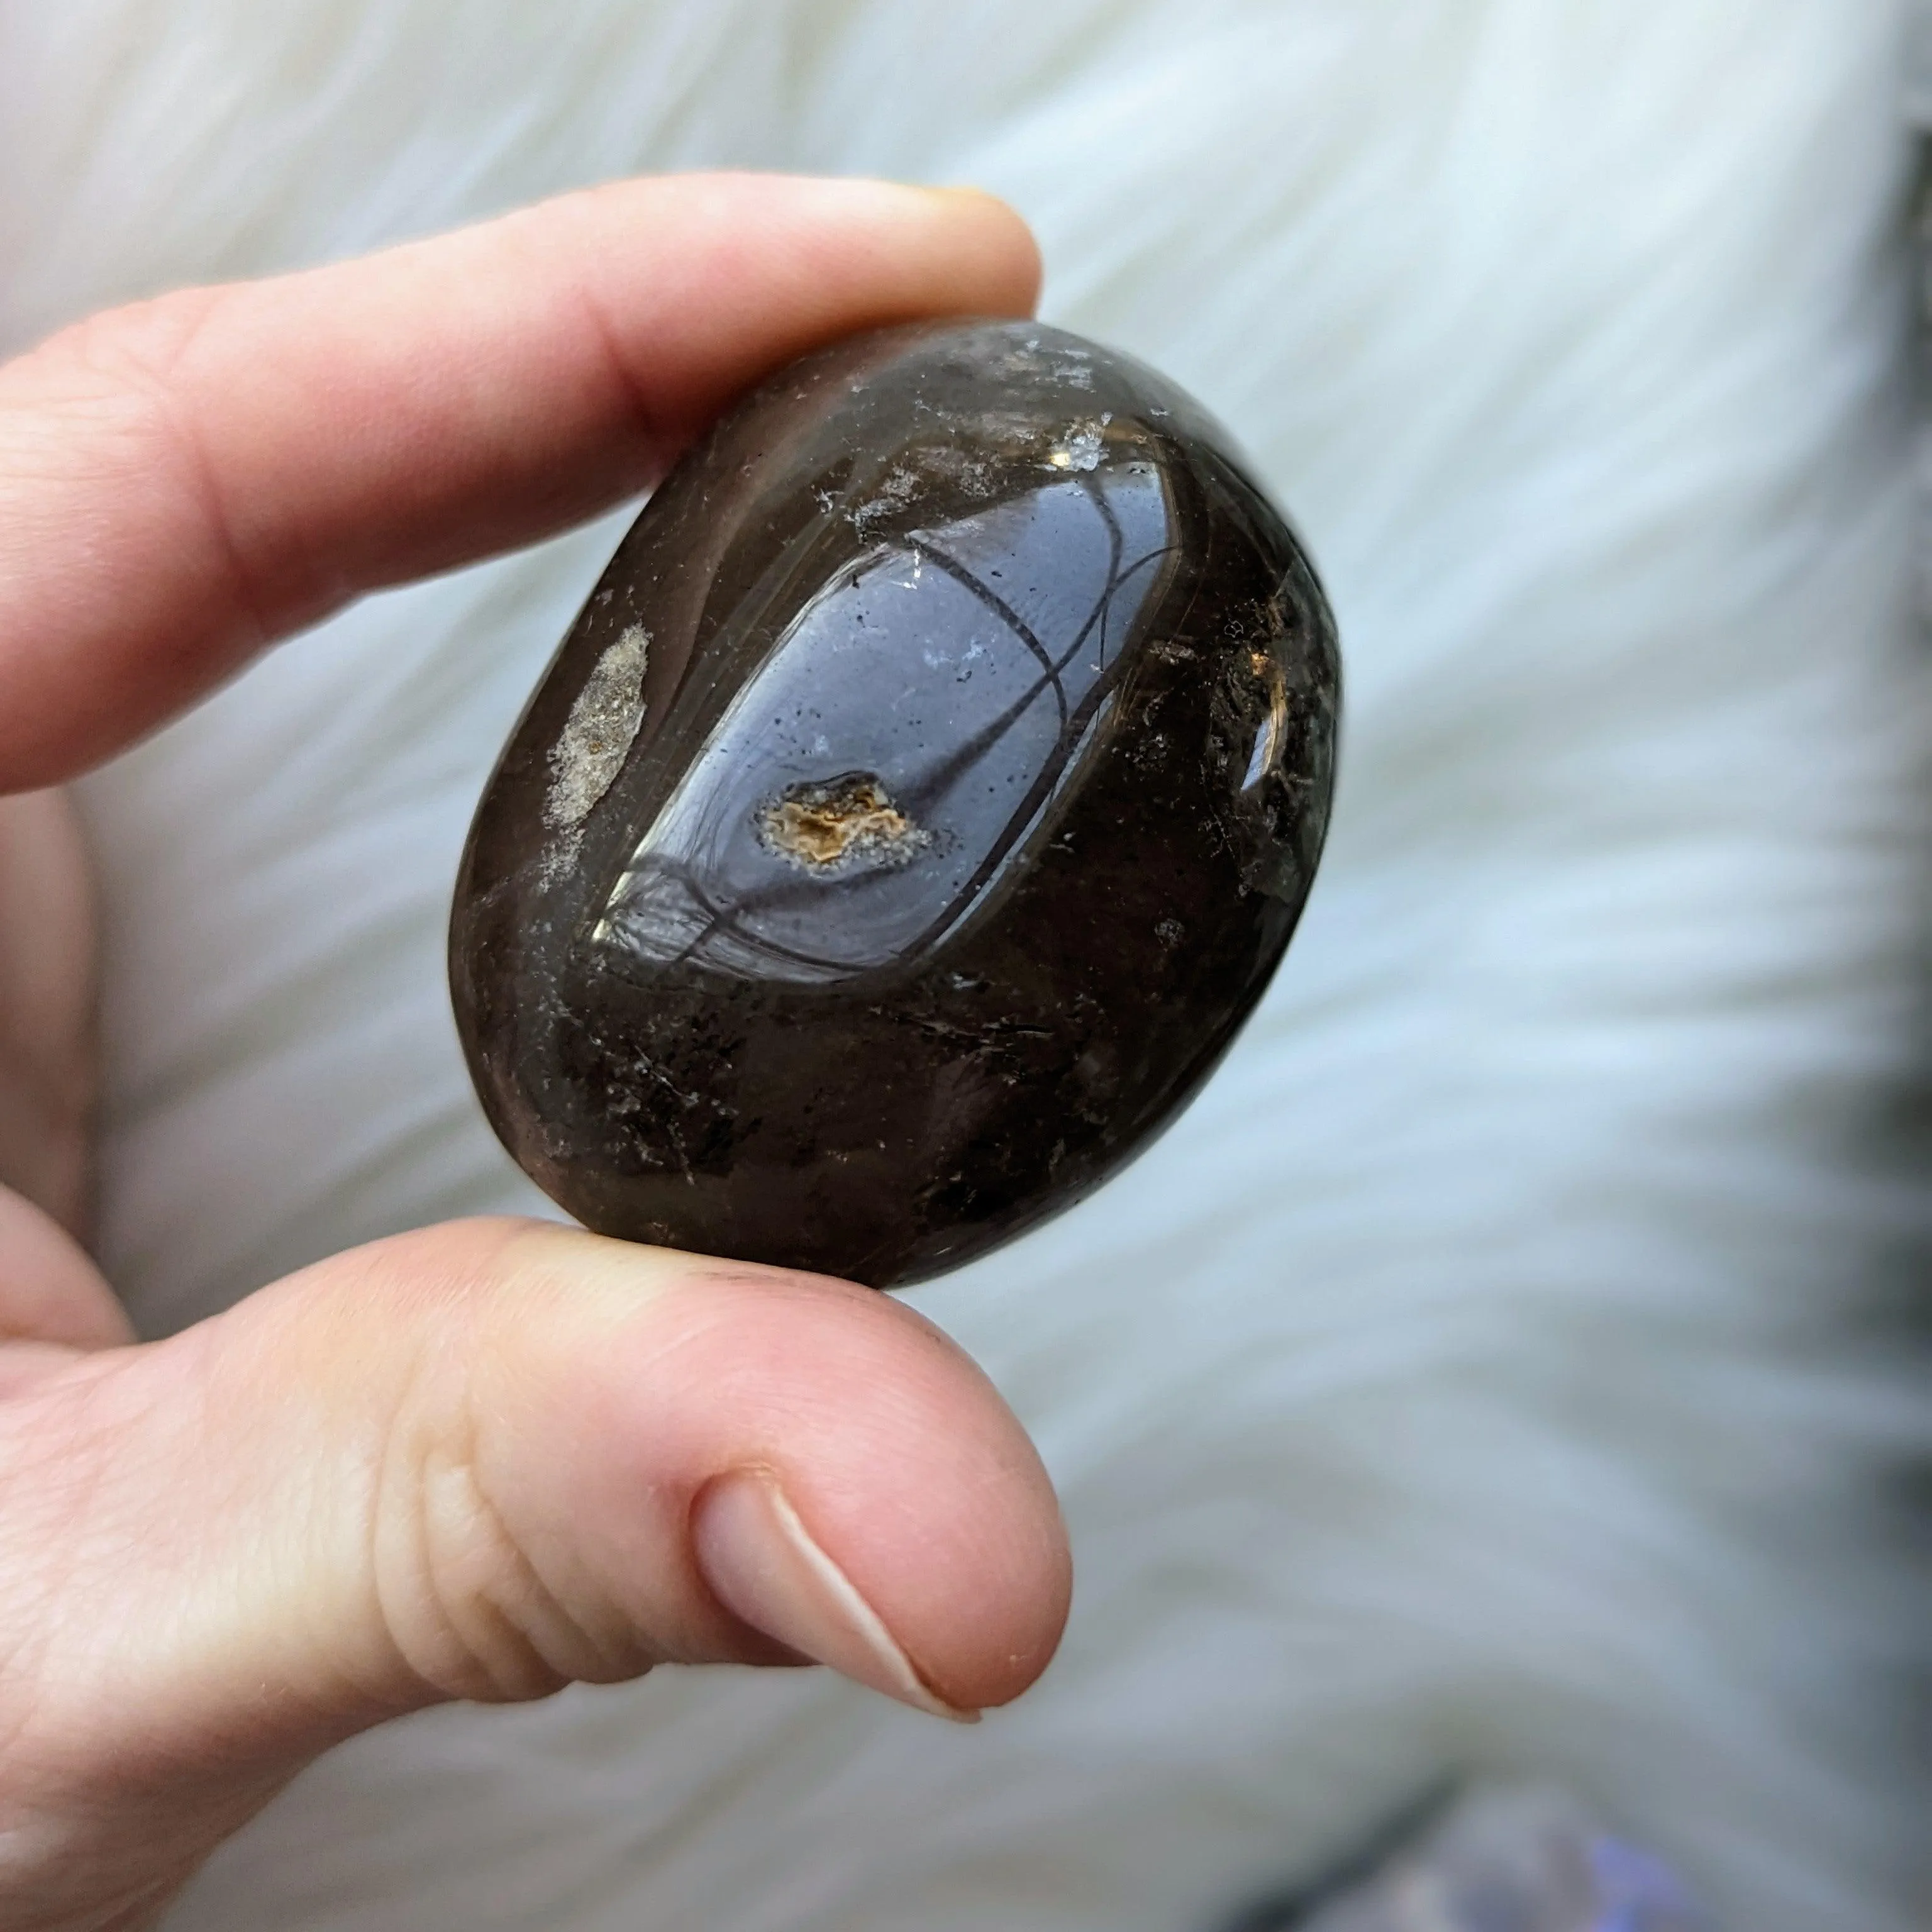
[
  {"x": 51, "y": 1296},
  {"x": 482, "y": 1462},
  {"x": 47, "y": 1005},
  {"x": 183, "y": 481}
]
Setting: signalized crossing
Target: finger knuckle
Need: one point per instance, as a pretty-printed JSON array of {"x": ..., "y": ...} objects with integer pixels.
[
  {"x": 143, "y": 345},
  {"x": 467, "y": 1605}
]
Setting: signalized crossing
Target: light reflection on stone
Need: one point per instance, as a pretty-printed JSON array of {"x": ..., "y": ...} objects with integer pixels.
[{"x": 997, "y": 636}]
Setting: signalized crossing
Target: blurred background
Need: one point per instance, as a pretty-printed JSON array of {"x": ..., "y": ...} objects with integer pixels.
[{"x": 1502, "y": 1377}]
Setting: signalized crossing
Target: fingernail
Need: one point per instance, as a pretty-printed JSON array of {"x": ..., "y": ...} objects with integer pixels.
[{"x": 765, "y": 1568}]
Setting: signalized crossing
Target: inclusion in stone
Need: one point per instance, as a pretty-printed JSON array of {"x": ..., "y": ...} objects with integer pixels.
[{"x": 921, "y": 802}]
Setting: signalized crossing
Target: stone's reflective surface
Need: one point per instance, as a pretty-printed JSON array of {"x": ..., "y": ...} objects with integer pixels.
[{"x": 920, "y": 803}]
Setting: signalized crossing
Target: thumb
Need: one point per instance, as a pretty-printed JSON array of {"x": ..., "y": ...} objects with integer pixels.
[{"x": 479, "y": 1462}]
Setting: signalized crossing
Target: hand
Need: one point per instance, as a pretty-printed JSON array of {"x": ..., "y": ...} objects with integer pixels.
[{"x": 486, "y": 1459}]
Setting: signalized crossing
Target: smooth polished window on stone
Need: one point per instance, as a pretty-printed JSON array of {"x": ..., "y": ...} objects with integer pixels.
[{"x": 920, "y": 803}]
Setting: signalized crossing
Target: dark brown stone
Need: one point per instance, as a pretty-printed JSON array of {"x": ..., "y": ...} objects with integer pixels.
[{"x": 918, "y": 806}]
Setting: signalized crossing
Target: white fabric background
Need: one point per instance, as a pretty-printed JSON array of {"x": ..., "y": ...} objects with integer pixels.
[{"x": 1474, "y": 1380}]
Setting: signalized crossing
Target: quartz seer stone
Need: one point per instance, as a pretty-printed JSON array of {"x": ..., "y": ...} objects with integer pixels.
[{"x": 916, "y": 810}]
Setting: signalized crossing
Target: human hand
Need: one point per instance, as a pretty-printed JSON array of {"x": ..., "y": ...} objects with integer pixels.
[{"x": 488, "y": 1459}]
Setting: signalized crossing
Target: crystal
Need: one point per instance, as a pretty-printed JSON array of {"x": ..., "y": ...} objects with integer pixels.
[
  {"x": 918, "y": 806},
  {"x": 1508, "y": 1859}
]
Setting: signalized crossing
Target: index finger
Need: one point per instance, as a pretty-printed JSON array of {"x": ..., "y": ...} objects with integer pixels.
[{"x": 183, "y": 481}]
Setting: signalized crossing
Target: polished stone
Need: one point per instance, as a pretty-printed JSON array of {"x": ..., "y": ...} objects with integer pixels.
[{"x": 918, "y": 806}]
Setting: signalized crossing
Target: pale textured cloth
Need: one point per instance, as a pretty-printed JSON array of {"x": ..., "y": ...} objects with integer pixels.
[{"x": 1472, "y": 1380}]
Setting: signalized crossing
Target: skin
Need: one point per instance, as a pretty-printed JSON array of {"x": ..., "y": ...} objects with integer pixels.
[{"x": 474, "y": 1461}]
